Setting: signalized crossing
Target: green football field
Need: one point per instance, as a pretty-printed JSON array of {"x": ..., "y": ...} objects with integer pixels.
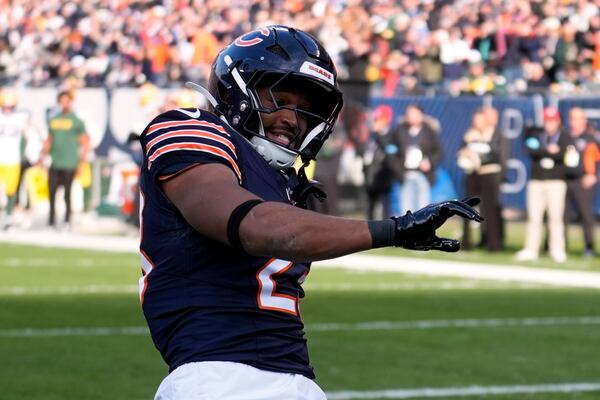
[{"x": 71, "y": 328}]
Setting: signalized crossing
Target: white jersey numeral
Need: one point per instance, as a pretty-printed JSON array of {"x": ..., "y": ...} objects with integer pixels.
[
  {"x": 146, "y": 263},
  {"x": 267, "y": 297}
]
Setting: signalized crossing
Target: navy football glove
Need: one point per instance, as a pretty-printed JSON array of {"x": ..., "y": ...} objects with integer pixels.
[{"x": 416, "y": 231}]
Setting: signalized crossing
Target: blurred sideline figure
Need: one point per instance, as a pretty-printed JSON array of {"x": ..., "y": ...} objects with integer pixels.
[
  {"x": 378, "y": 174},
  {"x": 326, "y": 170},
  {"x": 547, "y": 187},
  {"x": 481, "y": 160},
  {"x": 581, "y": 182},
  {"x": 226, "y": 239},
  {"x": 67, "y": 145},
  {"x": 419, "y": 154},
  {"x": 14, "y": 124}
]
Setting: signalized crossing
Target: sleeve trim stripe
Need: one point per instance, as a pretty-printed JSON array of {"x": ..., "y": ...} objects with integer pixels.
[
  {"x": 190, "y": 133},
  {"x": 197, "y": 147},
  {"x": 169, "y": 124}
]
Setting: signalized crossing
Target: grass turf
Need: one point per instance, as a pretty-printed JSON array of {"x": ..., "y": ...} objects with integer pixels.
[{"x": 122, "y": 366}]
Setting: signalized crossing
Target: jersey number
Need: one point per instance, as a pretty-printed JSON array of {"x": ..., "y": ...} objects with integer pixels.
[{"x": 267, "y": 298}]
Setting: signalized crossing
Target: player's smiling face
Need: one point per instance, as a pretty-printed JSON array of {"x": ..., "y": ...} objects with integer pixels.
[{"x": 284, "y": 125}]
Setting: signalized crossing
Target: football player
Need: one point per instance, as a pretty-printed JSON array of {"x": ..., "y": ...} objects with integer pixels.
[
  {"x": 14, "y": 124},
  {"x": 225, "y": 244}
]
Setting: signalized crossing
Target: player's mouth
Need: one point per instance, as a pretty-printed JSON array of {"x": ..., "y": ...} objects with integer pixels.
[{"x": 281, "y": 136}]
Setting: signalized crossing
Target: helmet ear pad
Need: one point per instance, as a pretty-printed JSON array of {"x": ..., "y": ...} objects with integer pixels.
[{"x": 233, "y": 104}]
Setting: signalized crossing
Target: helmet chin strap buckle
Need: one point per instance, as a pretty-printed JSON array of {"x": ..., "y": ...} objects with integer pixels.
[
  {"x": 303, "y": 188},
  {"x": 263, "y": 153}
]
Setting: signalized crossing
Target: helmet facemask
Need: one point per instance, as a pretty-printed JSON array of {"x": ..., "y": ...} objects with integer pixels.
[{"x": 306, "y": 126}]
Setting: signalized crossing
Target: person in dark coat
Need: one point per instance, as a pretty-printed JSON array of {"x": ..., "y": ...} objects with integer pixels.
[
  {"x": 419, "y": 154},
  {"x": 378, "y": 174}
]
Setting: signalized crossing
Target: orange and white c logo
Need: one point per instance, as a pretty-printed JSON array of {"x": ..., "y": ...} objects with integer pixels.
[{"x": 249, "y": 39}]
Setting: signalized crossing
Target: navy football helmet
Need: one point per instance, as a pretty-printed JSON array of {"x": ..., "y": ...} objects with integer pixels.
[{"x": 277, "y": 58}]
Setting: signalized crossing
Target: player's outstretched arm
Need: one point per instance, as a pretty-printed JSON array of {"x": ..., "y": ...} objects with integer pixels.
[{"x": 207, "y": 195}]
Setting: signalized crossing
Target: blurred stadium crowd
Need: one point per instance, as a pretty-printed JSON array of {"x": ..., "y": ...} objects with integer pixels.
[
  {"x": 382, "y": 48},
  {"x": 400, "y": 46}
]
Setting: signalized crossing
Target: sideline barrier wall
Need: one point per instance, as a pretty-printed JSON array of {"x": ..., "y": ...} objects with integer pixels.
[
  {"x": 111, "y": 114},
  {"x": 515, "y": 113}
]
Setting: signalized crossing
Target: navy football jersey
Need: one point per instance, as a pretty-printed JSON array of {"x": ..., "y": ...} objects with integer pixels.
[{"x": 203, "y": 300}]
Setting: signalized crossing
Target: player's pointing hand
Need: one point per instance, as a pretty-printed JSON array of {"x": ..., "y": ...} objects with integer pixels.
[{"x": 416, "y": 231}]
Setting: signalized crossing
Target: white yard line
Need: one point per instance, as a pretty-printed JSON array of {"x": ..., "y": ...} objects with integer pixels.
[
  {"x": 330, "y": 327},
  {"x": 422, "y": 393},
  {"x": 54, "y": 332},
  {"x": 69, "y": 240},
  {"x": 423, "y": 266},
  {"x": 471, "y": 284},
  {"x": 452, "y": 323},
  {"x": 363, "y": 262},
  {"x": 310, "y": 288},
  {"x": 68, "y": 290},
  {"x": 38, "y": 262}
]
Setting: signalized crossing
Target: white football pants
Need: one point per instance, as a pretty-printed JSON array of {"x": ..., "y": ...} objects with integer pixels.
[{"x": 218, "y": 380}]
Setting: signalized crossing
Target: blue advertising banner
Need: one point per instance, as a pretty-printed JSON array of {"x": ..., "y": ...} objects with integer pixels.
[{"x": 515, "y": 114}]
